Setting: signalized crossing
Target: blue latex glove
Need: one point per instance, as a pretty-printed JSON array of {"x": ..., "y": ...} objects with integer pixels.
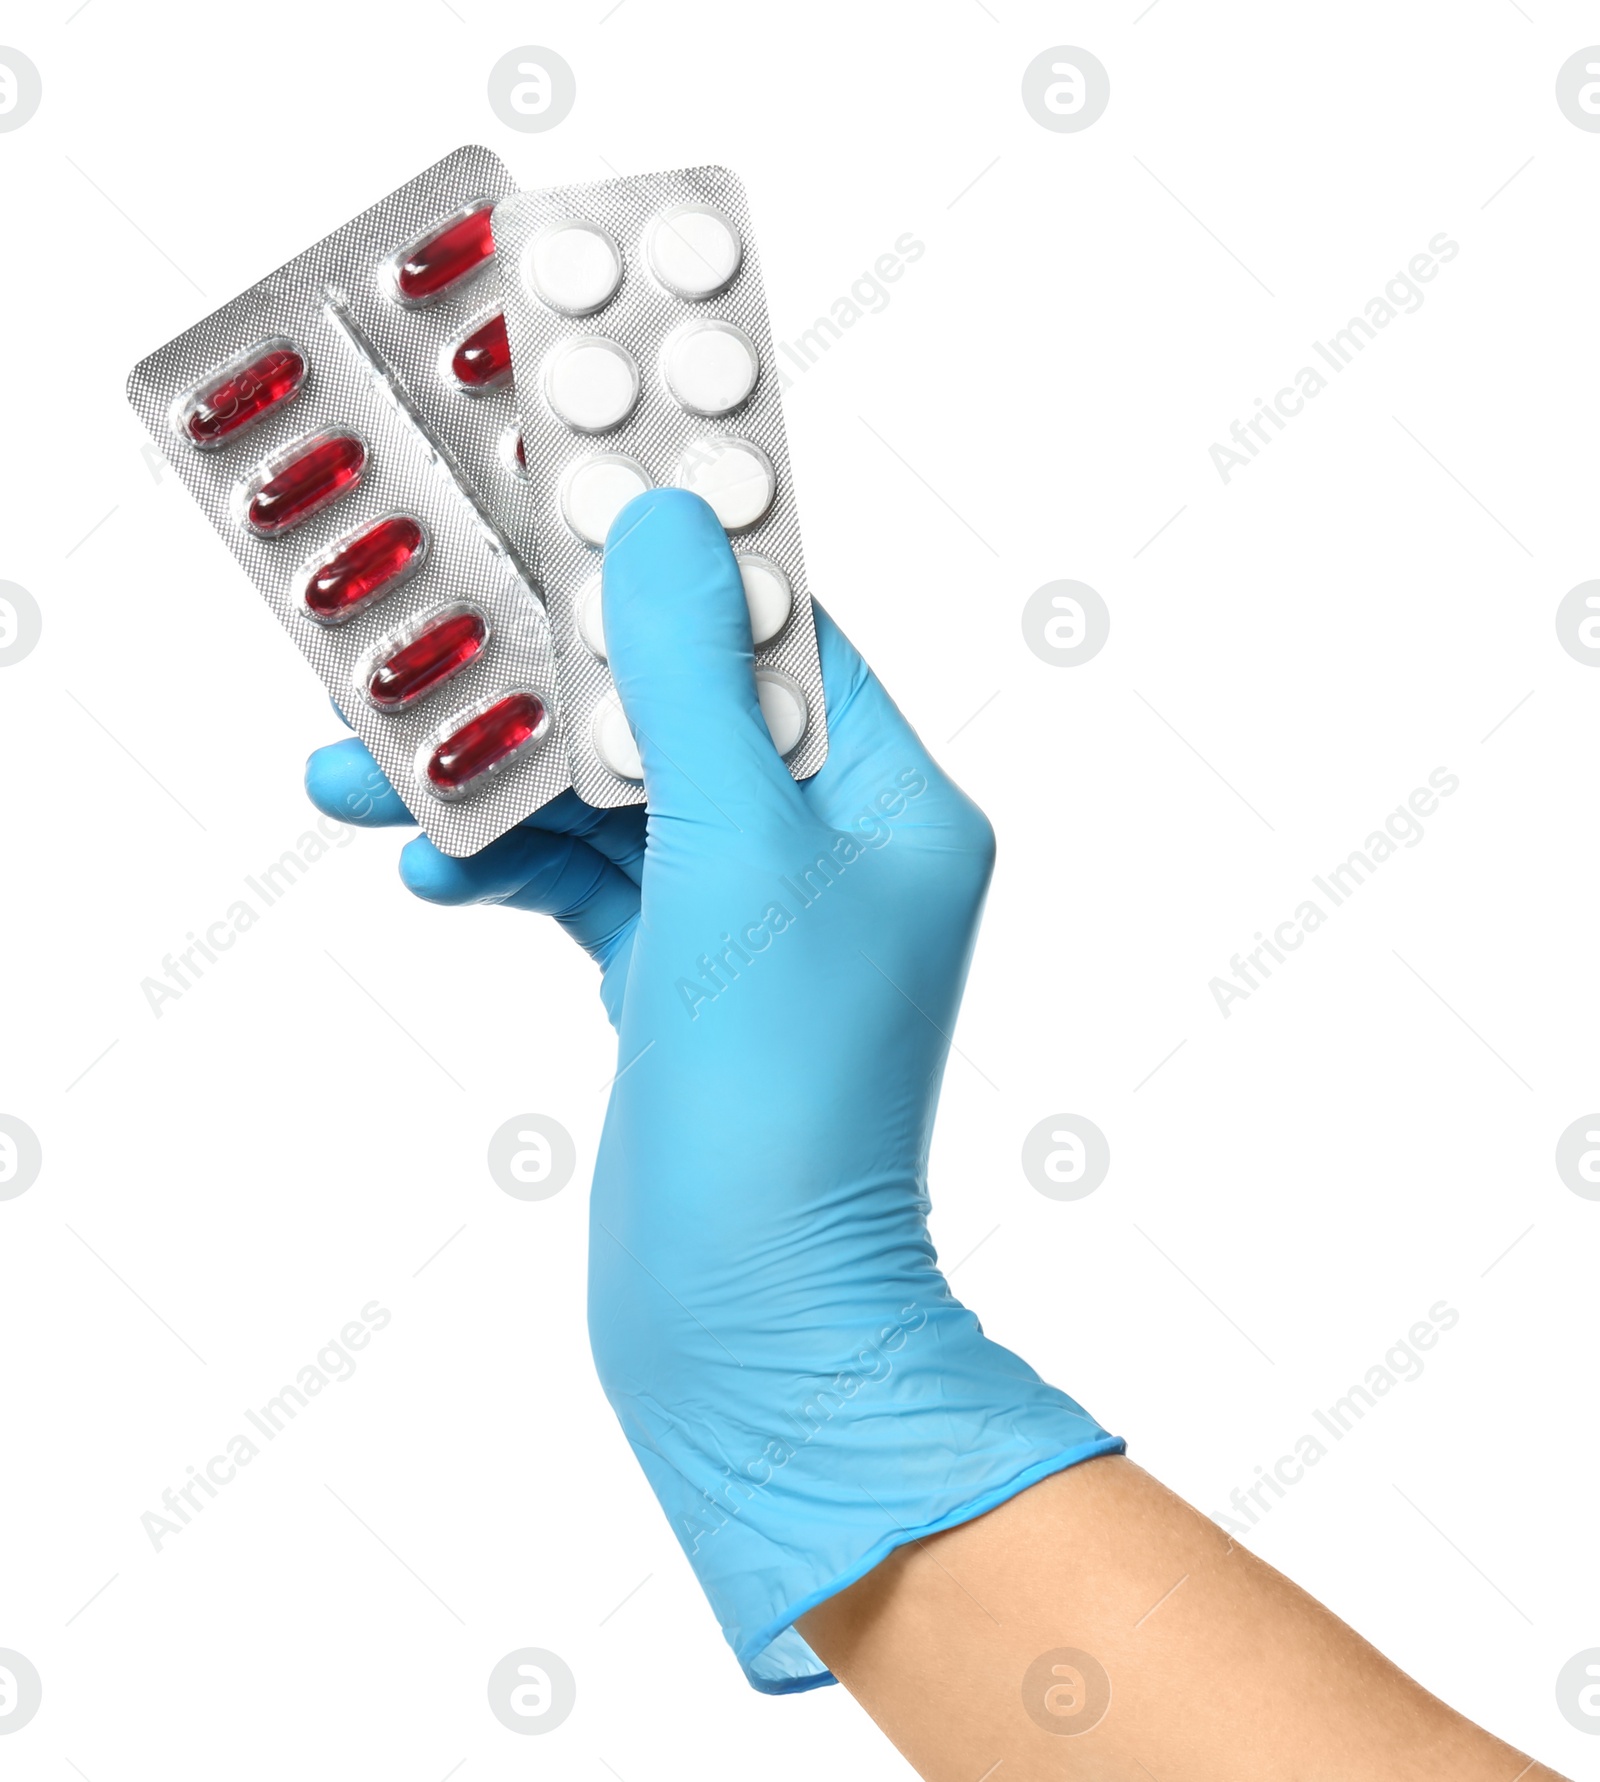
[{"x": 783, "y": 964}]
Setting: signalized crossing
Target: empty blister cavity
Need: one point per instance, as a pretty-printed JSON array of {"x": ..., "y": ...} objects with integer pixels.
[
  {"x": 768, "y": 594},
  {"x": 481, "y": 360},
  {"x": 614, "y": 741},
  {"x": 241, "y": 393},
  {"x": 591, "y": 383},
  {"x": 783, "y": 705},
  {"x": 480, "y": 743},
  {"x": 694, "y": 250},
  {"x": 364, "y": 568},
  {"x": 596, "y": 489},
  {"x": 302, "y": 480},
  {"x": 436, "y": 263},
  {"x": 573, "y": 267},
  {"x": 419, "y": 660},
  {"x": 734, "y": 475},
  {"x": 710, "y": 367}
]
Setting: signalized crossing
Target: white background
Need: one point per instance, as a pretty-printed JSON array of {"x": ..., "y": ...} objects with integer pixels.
[{"x": 1288, "y": 1193}]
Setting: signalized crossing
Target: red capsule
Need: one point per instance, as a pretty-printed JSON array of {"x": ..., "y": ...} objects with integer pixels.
[
  {"x": 483, "y": 359},
  {"x": 485, "y": 743},
  {"x": 301, "y": 482},
  {"x": 522, "y": 453},
  {"x": 442, "y": 646},
  {"x": 364, "y": 568},
  {"x": 428, "y": 268},
  {"x": 243, "y": 392}
]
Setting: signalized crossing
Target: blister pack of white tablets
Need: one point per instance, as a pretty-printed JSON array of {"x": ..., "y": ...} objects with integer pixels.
[
  {"x": 643, "y": 357},
  {"x": 348, "y": 425}
]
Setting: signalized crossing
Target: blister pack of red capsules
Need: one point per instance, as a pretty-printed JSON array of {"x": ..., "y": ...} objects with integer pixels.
[
  {"x": 644, "y": 358},
  {"x": 349, "y": 427}
]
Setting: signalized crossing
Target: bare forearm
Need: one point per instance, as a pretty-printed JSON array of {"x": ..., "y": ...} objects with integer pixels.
[{"x": 1096, "y": 1625}]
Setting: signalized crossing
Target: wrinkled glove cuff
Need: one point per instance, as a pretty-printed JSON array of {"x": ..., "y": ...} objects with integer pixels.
[{"x": 932, "y": 1426}]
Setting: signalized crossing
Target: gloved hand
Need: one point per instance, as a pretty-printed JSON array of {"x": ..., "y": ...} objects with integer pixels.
[{"x": 783, "y": 963}]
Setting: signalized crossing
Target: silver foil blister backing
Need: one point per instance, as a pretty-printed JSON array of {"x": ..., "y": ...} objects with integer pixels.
[
  {"x": 377, "y": 368},
  {"x": 641, "y": 317}
]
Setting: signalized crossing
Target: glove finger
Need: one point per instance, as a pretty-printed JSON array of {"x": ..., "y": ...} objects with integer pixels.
[
  {"x": 529, "y": 869},
  {"x": 617, "y": 834},
  {"x": 344, "y": 782},
  {"x": 873, "y": 752},
  {"x": 678, "y": 638}
]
